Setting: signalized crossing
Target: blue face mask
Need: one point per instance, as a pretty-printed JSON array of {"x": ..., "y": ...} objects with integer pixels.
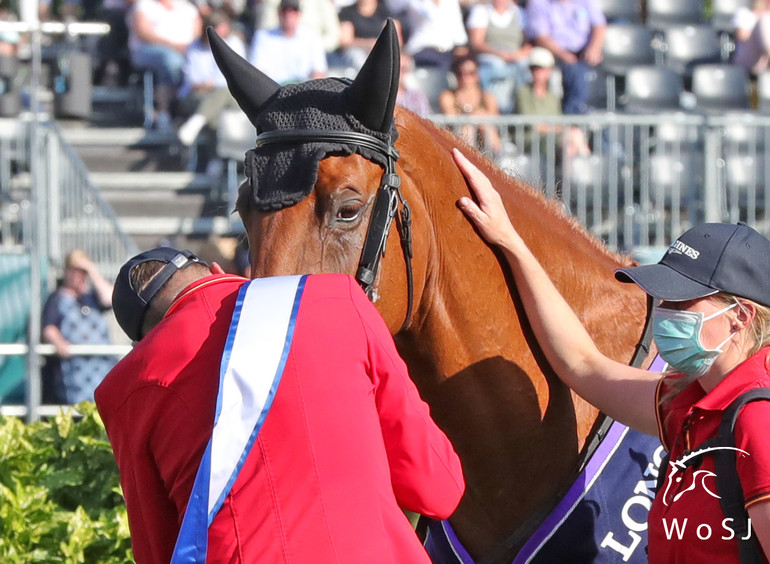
[{"x": 677, "y": 336}]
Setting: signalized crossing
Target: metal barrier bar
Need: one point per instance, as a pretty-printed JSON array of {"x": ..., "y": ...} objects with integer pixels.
[
  {"x": 44, "y": 349},
  {"x": 647, "y": 177}
]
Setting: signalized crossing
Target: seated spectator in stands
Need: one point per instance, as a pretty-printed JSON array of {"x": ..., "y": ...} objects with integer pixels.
[
  {"x": 497, "y": 37},
  {"x": 288, "y": 53},
  {"x": 410, "y": 97},
  {"x": 73, "y": 315},
  {"x": 436, "y": 31},
  {"x": 469, "y": 98},
  {"x": 537, "y": 100},
  {"x": 114, "y": 63},
  {"x": 9, "y": 40},
  {"x": 573, "y": 30},
  {"x": 205, "y": 90},
  {"x": 160, "y": 31},
  {"x": 360, "y": 25},
  {"x": 751, "y": 27},
  {"x": 319, "y": 17}
]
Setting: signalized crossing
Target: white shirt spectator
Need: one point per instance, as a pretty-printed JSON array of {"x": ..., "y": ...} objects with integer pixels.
[
  {"x": 744, "y": 18},
  {"x": 485, "y": 15},
  {"x": 201, "y": 68},
  {"x": 318, "y": 16},
  {"x": 287, "y": 59},
  {"x": 433, "y": 25},
  {"x": 178, "y": 25}
]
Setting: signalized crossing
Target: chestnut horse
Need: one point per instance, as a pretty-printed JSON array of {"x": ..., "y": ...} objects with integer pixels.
[{"x": 517, "y": 429}]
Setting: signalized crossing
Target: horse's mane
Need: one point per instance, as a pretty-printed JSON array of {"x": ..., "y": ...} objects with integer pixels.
[{"x": 511, "y": 187}]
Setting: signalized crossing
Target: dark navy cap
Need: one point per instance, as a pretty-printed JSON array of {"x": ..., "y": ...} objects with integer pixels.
[
  {"x": 707, "y": 259},
  {"x": 130, "y": 305}
]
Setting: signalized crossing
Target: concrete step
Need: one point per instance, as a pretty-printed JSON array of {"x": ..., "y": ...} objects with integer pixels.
[
  {"x": 152, "y": 204},
  {"x": 143, "y": 182},
  {"x": 118, "y": 136},
  {"x": 159, "y": 227},
  {"x": 108, "y": 158}
]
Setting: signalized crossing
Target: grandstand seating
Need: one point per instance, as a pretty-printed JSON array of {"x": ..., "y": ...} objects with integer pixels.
[
  {"x": 722, "y": 13},
  {"x": 674, "y": 177},
  {"x": 589, "y": 175},
  {"x": 652, "y": 89},
  {"x": 720, "y": 87},
  {"x": 626, "y": 11},
  {"x": 599, "y": 98},
  {"x": 690, "y": 45},
  {"x": 662, "y": 14},
  {"x": 432, "y": 81},
  {"x": 763, "y": 92},
  {"x": 627, "y": 45}
]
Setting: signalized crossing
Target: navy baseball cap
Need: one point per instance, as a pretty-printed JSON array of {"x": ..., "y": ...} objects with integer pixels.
[
  {"x": 129, "y": 304},
  {"x": 707, "y": 259}
]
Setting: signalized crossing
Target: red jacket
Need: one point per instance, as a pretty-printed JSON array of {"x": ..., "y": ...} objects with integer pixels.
[
  {"x": 347, "y": 444},
  {"x": 686, "y": 521}
]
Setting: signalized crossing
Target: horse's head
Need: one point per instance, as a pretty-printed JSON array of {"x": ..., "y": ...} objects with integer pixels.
[{"x": 323, "y": 149}]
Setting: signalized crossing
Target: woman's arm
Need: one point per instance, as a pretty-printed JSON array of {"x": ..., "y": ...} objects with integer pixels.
[
  {"x": 759, "y": 513},
  {"x": 622, "y": 392}
]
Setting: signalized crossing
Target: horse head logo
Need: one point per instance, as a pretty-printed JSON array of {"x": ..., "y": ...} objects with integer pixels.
[{"x": 676, "y": 474}]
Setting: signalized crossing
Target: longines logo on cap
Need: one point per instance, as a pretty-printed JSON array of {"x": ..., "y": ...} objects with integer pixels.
[{"x": 679, "y": 248}]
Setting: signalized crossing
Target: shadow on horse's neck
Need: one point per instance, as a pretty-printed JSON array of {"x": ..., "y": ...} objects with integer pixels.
[{"x": 517, "y": 429}]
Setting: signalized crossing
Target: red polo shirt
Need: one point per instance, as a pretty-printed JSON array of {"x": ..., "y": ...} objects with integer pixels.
[
  {"x": 686, "y": 520},
  {"x": 346, "y": 445}
]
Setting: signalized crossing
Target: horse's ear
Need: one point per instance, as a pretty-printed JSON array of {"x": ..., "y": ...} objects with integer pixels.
[
  {"x": 372, "y": 96},
  {"x": 250, "y": 87}
]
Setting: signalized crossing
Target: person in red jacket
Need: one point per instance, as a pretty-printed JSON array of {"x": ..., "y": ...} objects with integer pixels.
[{"x": 345, "y": 447}]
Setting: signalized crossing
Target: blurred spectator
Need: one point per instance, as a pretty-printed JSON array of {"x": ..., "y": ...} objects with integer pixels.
[
  {"x": 497, "y": 37},
  {"x": 288, "y": 53},
  {"x": 537, "y": 100},
  {"x": 436, "y": 31},
  {"x": 319, "y": 17},
  {"x": 73, "y": 314},
  {"x": 114, "y": 60},
  {"x": 160, "y": 31},
  {"x": 573, "y": 30},
  {"x": 752, "y": 36},
  {"x": 412, "y": 98},
  {"x": 469, "y": 98},
  {"x": 205, "y": 90},
  {"x": 9, "y": 40},
  {"x": 360, "y": 25}
]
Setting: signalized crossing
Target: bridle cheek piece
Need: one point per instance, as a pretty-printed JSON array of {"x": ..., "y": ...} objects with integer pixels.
[{"x": 385, "y": 209}]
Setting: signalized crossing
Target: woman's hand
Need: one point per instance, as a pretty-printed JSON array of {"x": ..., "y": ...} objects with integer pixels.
[{"x": 489, "y": 215}]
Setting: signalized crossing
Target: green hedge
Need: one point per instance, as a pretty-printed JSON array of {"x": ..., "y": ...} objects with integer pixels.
[{"x": 60, "y": 497}]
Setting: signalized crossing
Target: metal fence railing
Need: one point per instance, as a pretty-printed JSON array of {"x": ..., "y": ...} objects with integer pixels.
[
  {"x": 647, "y": 178},
  {"x": 643, "y": 179},
  {"x": 49, "y": 207}
]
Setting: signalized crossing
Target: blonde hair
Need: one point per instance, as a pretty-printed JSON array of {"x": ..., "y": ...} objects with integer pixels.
[{"x": 759, "y": 330}]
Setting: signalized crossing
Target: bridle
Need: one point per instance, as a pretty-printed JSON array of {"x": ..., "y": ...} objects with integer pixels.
[{"x": 384, "y": 210}]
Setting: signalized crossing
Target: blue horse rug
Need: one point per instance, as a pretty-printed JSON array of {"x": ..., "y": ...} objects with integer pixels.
[{"x": 603, "y": 517}]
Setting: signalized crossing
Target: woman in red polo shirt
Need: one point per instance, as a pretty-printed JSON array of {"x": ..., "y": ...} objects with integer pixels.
[{"x": 712, "y": 327}]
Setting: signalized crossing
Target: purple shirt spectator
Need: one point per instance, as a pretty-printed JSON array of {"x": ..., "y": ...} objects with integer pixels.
[{"x": 567, "y": 22}]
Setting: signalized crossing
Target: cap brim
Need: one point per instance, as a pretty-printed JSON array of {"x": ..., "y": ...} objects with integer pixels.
[{"x": 665, "y": 283}]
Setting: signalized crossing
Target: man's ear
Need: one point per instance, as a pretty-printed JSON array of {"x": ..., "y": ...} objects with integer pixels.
[{"x": 216, "y": 269}]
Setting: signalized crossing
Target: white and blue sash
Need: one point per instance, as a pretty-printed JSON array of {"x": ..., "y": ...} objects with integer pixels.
[{"x": 252, "y": 364}]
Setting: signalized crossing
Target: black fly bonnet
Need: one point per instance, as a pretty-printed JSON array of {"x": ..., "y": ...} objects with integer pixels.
[{"x": 300, "y": 124}]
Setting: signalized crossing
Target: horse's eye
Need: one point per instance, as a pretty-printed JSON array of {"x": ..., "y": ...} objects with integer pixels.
[{"x": 348, "y": 213}]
